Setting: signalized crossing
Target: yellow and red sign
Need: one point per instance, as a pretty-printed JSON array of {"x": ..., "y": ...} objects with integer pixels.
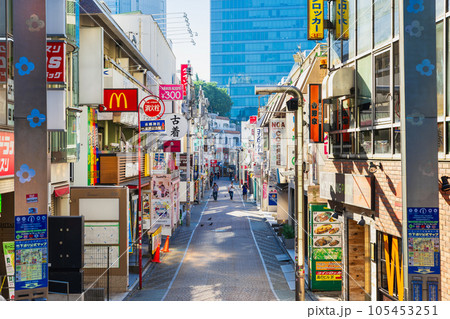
[
  {"x": 328, "y": 275},
  {"x": 120, "y": 100},
  {"x": 342, "y": 19},
  {"x": 315, "y": 20}
]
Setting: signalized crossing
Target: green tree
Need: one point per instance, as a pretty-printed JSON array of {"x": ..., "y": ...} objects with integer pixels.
[{"x": 219, "y": 100}]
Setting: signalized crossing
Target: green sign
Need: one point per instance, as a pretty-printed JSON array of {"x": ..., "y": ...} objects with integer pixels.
[{"x": 325, "y": 249}]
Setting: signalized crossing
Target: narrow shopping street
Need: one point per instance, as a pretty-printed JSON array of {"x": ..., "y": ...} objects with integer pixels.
[{"x": 228, "y": 253}]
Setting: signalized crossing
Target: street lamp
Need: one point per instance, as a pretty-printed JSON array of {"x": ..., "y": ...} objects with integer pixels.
[{"x": 300, "y": 263}]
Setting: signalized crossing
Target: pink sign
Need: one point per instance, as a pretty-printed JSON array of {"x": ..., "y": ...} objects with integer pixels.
[
  {"x": 184, "y": 78},
  {"x": 6, "y": 153},
  {"x": 171, "y": 92}
]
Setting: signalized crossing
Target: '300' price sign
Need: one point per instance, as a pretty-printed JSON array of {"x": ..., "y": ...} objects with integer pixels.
[{"x": 171, "y": 91}]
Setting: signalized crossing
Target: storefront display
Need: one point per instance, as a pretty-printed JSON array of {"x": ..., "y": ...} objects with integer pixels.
[
  {"x": 325, "y": 249},
  {"x": 164, "y": 202}
]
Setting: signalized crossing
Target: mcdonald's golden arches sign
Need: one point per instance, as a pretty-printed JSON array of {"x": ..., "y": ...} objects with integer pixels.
[{"x": 120, "y": 100}]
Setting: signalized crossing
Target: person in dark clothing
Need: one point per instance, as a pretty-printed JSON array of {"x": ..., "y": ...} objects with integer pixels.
[
  {"x": 211, "y": 180},
  {"x": 244, "y": 191},
  {"x": 215, "y": 191}
]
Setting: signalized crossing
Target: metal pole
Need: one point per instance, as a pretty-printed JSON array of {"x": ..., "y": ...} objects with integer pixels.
[
  {"x": 188, "y": 146},
  {"x": 139, "y": 199},
  {"x": 107, "y": 277},
  {"x": 300, "y": 266}
]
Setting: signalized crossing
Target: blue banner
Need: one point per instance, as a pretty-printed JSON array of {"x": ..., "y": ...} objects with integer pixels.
[
  {"x": 272, "y": 199},
  {"x": 30, "y": 227},
  {"x": 153, "y": 126}
]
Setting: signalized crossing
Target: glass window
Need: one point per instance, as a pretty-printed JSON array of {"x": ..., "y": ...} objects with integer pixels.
[
  {"x": 396, "y": 19},
  {"x": 382, "y": 141},
  {"x": 396, "y": 93},
  {"x": 382, "y": 86},
  {"x": 364, "y": 90},
  {"x": 440, "y": 137},
  {"x": 365, "y": 142},
  {"x": 448, "y": 137},
  {"x": 335, "y": 142},
  {"x": 363, "y": 25},
  {"x": 348, "y": 143},
  {"x": 351, "y": 30},
  {"x": 382, "y": 21},
  {"x": 448, "y": 66},
  {"x": 348, "y": 114},
  {"x": 440, "y": 7},
  {"x": 440, "y": 67},
  {"x": 397, "y": 141}
]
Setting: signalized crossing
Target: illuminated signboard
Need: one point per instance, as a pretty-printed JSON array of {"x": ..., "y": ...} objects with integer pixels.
[
  {"x": 315, "y": 19},
  {"x": 6, "y": 153},
  {"x": 120, "y": 100},
  {"x": 315, "y": 114},
  {"x": 184, "y": 78},
  {"x": 342, "y": 19},
  {"x": 171, "y": 92},
  {"x": 56, "y": 61}
]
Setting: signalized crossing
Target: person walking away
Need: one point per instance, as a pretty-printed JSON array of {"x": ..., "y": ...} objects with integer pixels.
[
  {"x": 231, "y": 190},
  {"x": 211, "y": 180},
  {"x": 215, "y": 191},
  {"x": 244, "y": 191}
]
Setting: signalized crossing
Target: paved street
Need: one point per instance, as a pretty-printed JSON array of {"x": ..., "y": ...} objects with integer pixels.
[{"x": 227, "y": 253}]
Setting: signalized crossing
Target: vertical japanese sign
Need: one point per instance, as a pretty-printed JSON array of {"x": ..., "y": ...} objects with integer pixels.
[
  {"x": 258, "y": 140},
  {"x": 277, "y": 143},
  {"x": 56, "y": 61},
  {"x": 184, "y": 78},
  {"x": 342, "y": 19},
  {"x": 6, "y": 153},
  {"x": 31, "y": 160},
  {"x": 315, "y": 114},
  {"x": 3, "y": 60},
  {"x": 315, "y": 20}
]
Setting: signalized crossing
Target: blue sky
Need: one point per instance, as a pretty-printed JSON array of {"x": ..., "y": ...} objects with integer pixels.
[{"x": 198, "y": 12}]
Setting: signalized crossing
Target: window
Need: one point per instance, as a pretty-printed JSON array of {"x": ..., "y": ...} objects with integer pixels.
[
  {"x": 382, "y": 86},
  {"x": 382, "y": 21},
  {"x": 389, "y": 261},
  {"x": 396, "y": 99},
  {"x": 364, "y": 90},
  {"x": 363, "y": 25},
  {"x": 382, "y": 141},
  {"x": 440, "y": 67}
]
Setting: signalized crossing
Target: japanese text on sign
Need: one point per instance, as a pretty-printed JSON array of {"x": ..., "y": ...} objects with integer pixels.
[
  {"x": 315, "y": 20},
  {"x": 342, "y": 19},
  {"x": 56, "y": 57},
  {"x": 2, "y": 62},
  {"x": 184, "y": 78},
  {"x": 171, "y": 92}
]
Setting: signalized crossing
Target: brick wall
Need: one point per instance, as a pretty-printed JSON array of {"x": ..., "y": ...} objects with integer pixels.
[{"x": 388, "y": 205}]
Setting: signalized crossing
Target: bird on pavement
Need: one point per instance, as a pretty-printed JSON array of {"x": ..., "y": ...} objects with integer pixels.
[
  {"x": 209, "y": 218},
  {"x": 210, "y": 224},
  {"x": 201, "y": 225}
]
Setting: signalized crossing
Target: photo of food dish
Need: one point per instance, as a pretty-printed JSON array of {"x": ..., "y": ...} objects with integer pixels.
[
  {"x": 334, "y": 243},
  {"x": 322, "y": 217},
  {"x": 333, "y": 230},
  {"x": 322, "y": 241},
  {"x": 323, "y": 229}
]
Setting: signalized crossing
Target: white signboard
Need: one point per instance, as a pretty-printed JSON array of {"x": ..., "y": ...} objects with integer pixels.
[
  {"x": 277, "y": 143},
  {"x": 176, "y": 126}
]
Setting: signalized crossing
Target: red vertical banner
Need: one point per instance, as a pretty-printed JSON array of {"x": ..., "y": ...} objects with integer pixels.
[
  {"x": 56, "y": 61},
  {"x": 184, "y": 77},
  {"x": 315, "y": 114}
]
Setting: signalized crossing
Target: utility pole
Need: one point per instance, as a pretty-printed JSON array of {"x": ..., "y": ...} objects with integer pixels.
[
  {"x": 188, "y": 146},
  {"x": 299, "y": 203}
]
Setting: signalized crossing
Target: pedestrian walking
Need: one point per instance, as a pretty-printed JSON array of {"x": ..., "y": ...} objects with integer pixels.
[
  {"x": 244, "y": 191},
  {"x": 211, "y": 180},
  {"x": 231, "y": 190},
  {"x": 215, "y": 191}
]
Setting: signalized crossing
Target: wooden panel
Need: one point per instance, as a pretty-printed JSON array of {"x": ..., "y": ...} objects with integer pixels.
[
  {"x": 108, "y": 170},
  {"x": 356, "y": 261}
]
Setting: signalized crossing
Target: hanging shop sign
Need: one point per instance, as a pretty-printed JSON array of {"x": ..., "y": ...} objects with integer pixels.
[
  {"x": 153, "y": 107},
  {"x": 253, "y": 119},
  {"x": 277, "y": 143},
  {"x": 153, "y": 126},
  {"x": 31, "y": 264},
  {"x": 6, "y": 153},
  {"x": 423, "y": 241},
  {"x": 3, "y": 65},
  {"x": 176, "y": 126},
  {"x": 259, "y": 140},
  {"x": 341, "y": 22},
  {"x": 356, "y": 190},
  {"x": 184, "y": 78},
  {"x": 119, "y": 100},
  {"x": 171, "y": 92},
  {"x": 325, "y": 247},
  {"x": 56, "y": 61},
  {"x": 172, "y": 146},
  {"x": 315, "y": 20},
  {"x": 273, "y": 198},
  {"x": 315, "y": 114}
]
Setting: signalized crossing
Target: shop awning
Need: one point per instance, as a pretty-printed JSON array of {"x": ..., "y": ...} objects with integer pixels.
[
  {"x": 62, "y": 190},
  {"x": 341, "y": 82}
]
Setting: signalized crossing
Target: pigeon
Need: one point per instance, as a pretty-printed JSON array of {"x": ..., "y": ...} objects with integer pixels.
[
  {"x": 201, "y": 225},
  {"x": 210, "y": 224},
  {"x": 209, "y": 218}
]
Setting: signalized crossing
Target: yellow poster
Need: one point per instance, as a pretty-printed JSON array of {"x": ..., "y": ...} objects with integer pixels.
[
  {"x": 315, "y": 19},
  {"x": 342, "y": 19}
]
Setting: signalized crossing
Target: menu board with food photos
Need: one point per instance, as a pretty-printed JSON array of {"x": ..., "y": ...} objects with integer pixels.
[{"x": 325, "y": 249}]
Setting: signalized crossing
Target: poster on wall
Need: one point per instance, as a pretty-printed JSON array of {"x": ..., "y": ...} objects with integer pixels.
[
  {"x": 273, "y": 198},
  {"x": 31, "y": 264},
  {"x": 8, "y": 252},
  {"x": 161, "y": 200},
  {"x": 146, "y": 210},
  {"x": 159, "y": 163}
]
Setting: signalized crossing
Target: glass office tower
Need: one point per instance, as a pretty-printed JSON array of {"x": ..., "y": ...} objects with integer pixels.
[{"x": 253, "y": 43}]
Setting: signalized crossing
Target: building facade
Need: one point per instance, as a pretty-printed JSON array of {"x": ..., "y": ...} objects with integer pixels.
[{"x": 252, "y": 43}]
